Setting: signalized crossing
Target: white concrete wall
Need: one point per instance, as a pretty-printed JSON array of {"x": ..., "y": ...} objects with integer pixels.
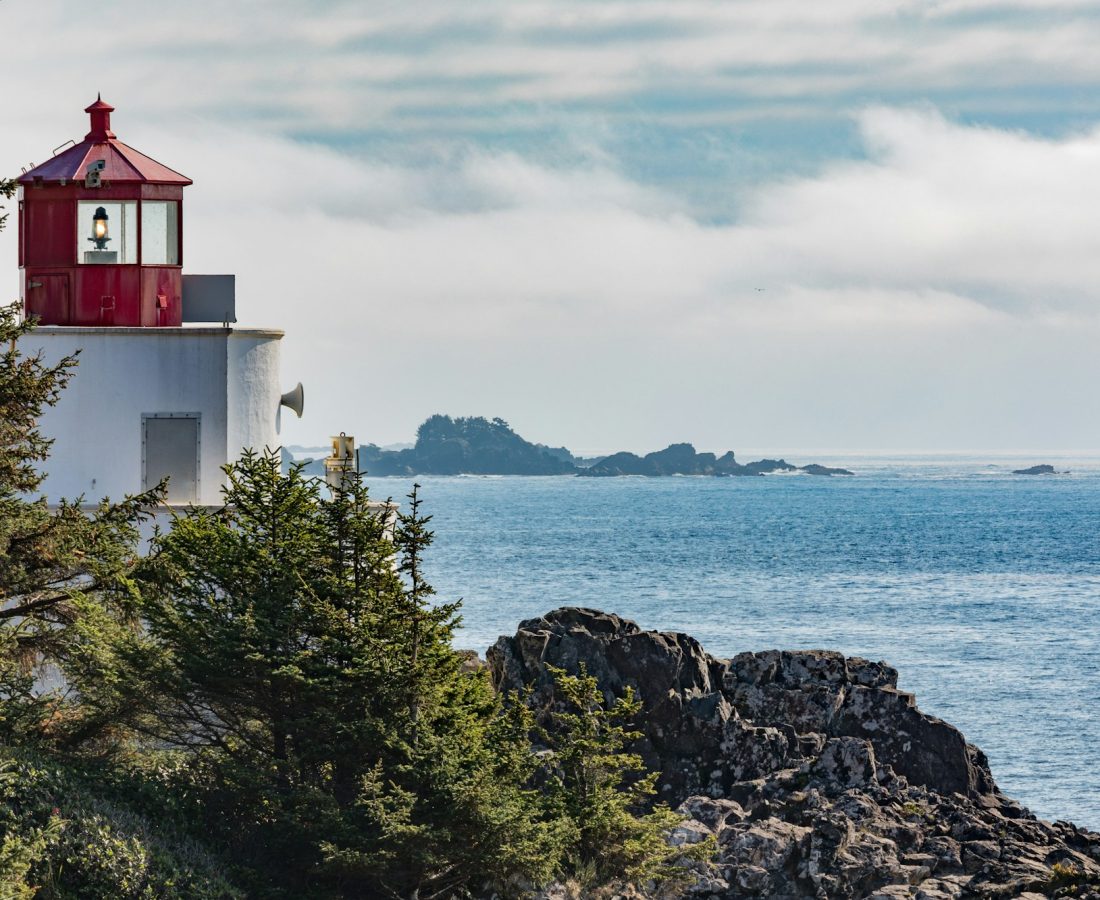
[
  {"x": 254, "y": 392},
  {"x": 124, "y": 373}
]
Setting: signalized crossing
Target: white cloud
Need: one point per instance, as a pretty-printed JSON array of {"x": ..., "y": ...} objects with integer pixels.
[{"x": 1007, "y": 216}]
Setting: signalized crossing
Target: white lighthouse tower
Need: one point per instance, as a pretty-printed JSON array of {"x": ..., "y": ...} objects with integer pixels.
[{"x": 165, "y": 386}]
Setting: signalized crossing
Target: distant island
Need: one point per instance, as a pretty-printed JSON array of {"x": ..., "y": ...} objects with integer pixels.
[
  {"x": 478, "y": 446},
  {"x": 467, "y": 446},
  {"x": 682, "y": 459},
  {"x": 1044, "y": 469}
]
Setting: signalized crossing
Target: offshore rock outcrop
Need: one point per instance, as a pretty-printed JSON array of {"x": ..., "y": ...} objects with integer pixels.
[
  {"x": 682, "y": 459},
  {"x": 817, "y": 777}
]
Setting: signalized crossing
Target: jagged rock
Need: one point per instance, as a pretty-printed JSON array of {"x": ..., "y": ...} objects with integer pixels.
[
  {"x": 691, "y": 732},
  {"x": 846, "y": 762},
  {"x": 689, "y": 832},
  {"x": 770, "y": 844},
  {"x": 821, "y": 691},
  {"x": 712, "y": 812},
  {"x": 817, "y": 777}
]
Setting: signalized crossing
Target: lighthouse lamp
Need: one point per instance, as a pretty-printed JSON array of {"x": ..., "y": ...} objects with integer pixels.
[{"x": 99, "y": 229}]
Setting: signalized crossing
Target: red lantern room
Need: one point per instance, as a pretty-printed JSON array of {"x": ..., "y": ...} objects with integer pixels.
[{"x": 101, "y": 234}]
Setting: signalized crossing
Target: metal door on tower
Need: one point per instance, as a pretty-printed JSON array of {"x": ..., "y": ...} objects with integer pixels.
[
  {"x": 170, "y": 449},
  {"x": 48, "y": 298}
]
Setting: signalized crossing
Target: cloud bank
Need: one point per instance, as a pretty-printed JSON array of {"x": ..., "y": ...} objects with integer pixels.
[
  {"x": 952, "y": 270},
  {"x": 497, "y": 67},
  {"x": 380, "y": 179}
]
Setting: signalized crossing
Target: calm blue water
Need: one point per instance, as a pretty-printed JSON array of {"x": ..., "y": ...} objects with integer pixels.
[{"x": 981, "y": 587}]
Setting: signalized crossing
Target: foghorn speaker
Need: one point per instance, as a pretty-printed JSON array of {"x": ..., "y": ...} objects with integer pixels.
[{"x": 295, "y": 400}]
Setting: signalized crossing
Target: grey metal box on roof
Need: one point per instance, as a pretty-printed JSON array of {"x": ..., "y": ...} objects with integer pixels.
[{"x": 209, "y": 298}]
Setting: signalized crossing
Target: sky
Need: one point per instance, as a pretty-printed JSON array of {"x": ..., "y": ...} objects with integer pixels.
[{"x": 774, "y": 224}]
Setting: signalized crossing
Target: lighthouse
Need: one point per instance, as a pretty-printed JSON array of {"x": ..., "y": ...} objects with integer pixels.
[{"x": 166, "y": 385}]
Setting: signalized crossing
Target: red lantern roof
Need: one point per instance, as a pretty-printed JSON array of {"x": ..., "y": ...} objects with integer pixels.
[{"x": 123, "y": 164}]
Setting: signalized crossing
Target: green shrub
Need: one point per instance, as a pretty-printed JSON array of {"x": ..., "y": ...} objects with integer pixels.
[{"x": 61, "y": 836}]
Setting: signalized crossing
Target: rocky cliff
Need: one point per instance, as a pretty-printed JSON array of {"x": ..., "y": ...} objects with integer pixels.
[{"x": 816, "y": 775}]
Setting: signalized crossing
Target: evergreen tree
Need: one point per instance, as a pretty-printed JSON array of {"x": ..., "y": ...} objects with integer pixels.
[
  {"x": 64, "y": 572},
  {"x": 7, "y": 191},
  {"x": 603, "y": 791},
  {"x": 292, "y": 650}
]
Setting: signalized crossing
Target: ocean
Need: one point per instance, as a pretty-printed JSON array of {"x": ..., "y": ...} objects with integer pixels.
[{"x": 981, "y": 587}]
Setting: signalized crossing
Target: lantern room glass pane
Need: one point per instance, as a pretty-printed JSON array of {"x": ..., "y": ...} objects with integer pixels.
[
  {"x": 106, "y": 232},
  {"x": 160, "y": 241}
]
